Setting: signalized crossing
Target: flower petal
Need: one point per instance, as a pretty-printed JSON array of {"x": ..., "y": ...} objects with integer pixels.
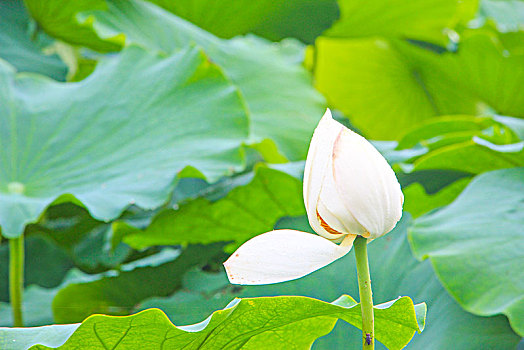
[
  {"x": 366, "y": 184},
  {"x": 332, "y": 209},
  {"x": 317, "y": 165},
  {"x": 282, "y": 255}
]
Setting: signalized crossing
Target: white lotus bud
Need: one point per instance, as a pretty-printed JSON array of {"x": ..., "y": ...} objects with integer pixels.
[{"x": 349, "y": 188}]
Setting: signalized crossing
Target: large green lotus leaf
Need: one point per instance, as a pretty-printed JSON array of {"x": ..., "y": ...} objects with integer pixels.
[
  {"x": 116, "y": 138},
  {"x": 386, "y": 88},
  {"x": 275, "y": 20},
  {"x": 476, "y": 245},
  {"x": 252, "y": 323},
  {"x": 425, "y": 20},
  {"x": 394, "y": 272},
  {"x": 57, "y": 18},
  {"x": 270, "y": 76},
  {"x": 117, "y": 293},
  {"x": 17, "y": 46},
  {"x": 276, "y": 87},
  {"x": 244, "y": 212},
  {"x": 45, "y": 264}
]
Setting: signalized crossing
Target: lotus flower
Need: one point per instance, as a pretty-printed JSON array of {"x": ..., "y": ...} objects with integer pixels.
[{"x": 349, "y": 190}]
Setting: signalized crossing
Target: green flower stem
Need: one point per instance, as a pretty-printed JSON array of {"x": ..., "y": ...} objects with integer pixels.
[
  {"x": 366, "y": 294},
  {"x": 16, "y": 278}
]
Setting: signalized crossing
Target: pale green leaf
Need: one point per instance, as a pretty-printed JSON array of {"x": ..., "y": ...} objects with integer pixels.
[
  {"x": 24, "y": 338},
  {"x": 476, "y": 245},
  {"x": 116, "y": 138},
  {"x": 277, "y": 89}
]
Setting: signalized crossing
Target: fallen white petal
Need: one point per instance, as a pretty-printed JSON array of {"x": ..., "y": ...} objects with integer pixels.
[{"x": 282, "y": 255}]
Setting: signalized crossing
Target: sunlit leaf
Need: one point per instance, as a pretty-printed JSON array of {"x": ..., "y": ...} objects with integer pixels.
[
  {"x": 466, "y": 143},
  {"x": 249, "y": 324},
  {"x": 387, "y": 87},
  {"x": 425, "y": 20},
  {"x": 246, "y": 211}
]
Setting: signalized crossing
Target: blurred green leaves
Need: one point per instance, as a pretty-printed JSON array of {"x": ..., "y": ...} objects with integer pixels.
[
  {"x": 257, "y": 67},
  {"x": 390, "y": 66}
]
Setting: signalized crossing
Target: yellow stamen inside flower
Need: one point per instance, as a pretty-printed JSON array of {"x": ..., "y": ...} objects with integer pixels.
[{"x": 326, "y": 227}]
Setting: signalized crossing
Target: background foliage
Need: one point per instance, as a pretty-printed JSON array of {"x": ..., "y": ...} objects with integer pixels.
[{"x": 142, "y": 141}]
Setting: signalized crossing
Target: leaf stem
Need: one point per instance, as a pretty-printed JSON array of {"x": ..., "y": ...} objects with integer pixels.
[
  {"x": 16, "y": 278},
  {"x": 366, "y": 294}
]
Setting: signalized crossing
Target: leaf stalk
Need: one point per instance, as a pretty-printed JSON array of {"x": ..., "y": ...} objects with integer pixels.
[
  {"x": 366, "y": 294},
  {"x": 16, "y": 278}
]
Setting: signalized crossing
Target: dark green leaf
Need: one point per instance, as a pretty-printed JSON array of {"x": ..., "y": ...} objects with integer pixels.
[{"x": 118, "y": 292}]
